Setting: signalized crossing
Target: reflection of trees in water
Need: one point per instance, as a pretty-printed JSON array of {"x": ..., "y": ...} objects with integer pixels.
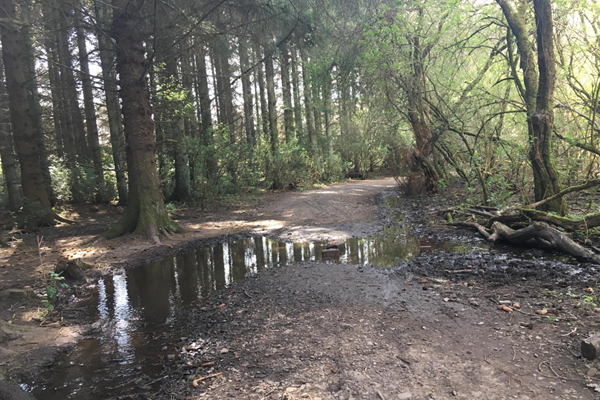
[
  {"x": 188, "y": 277},
  {"x": 237, "y": 257}
]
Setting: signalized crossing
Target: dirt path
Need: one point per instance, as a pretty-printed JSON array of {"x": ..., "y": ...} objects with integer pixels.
[
  {"x": 335, "y": 211},
  {"x": 323, "y": 331},
  {"x": 329, "y": 331}
]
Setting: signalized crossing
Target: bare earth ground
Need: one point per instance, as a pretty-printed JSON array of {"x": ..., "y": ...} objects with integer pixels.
[
  {"x": 335, "y": 211},
  {"x": 329, "y": 331}
]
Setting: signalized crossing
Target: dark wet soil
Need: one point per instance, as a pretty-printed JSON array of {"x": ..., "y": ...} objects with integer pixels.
[{"x": 425, "y": 327}]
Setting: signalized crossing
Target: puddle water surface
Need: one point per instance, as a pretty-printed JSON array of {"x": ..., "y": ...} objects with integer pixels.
[{"x": 142, "y": 311}]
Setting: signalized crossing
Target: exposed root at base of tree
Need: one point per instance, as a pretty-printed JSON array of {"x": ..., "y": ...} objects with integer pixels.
[
  {"x": 161, "y": 225},
  {"x": 539, "y": 234},
  {"x": 65, "y": 220}
]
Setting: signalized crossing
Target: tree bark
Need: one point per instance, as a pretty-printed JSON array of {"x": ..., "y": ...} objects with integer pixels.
[
  {"x": 9, "y": 165},
  {"x": 221, "y": 51},
  {"x": 70, "y": 86},
  {"x": 90, "y": 110},
  {"x": 309, "y": 110},
  {"x": 328, "y": 117},
  {"x": 33, "y": 96},
  {"x": 206, "y": 131},
  {"x": 173, "y": 119},
  {"x": 247, "y": 90},
  {"x": 72, "y": 122},
  {"x": 264, "y": 109},
  {"x": 288, "y": 110},
  {"x": 37, "y": 209},
  {"x": 53, "y": 78},
  {"x": 272, "y": 104},
  {"x": 546, "y": 178},
  {"x": 146, "y": 214},
  {"x": 538, "y": 88},
  {"x": 107, "y": 61},
  {"x": 296, "y": 95},
  {"x": 273, "y": 131}
]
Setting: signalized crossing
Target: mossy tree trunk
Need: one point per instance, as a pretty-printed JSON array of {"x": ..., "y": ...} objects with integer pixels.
[
  {"x": 9, "y": 163},
  {"x": 538, "y": 92},
  {"x": 145, "y": 214},
  {"x": 37, "y": 209}
]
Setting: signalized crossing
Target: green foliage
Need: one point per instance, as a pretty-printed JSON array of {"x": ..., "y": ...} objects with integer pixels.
[
  {"x": 292, "y": 166},
  {"x": 54, "y": 283}
]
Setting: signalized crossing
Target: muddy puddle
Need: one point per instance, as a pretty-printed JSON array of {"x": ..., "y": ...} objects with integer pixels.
[{"x": 140, "y": 315}]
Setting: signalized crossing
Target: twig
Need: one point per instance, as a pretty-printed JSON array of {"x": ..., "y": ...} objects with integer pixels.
[
  {"x": 458, "y": 271},
  {"x": 570, "y": 333},
  {"x": 203, "y": 378},
  {"x": 514, "y": 353},
  {"x": 547, "y": 363}
]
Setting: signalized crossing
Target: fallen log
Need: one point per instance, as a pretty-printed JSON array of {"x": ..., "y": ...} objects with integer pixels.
[{"x": 539, "y": 234}]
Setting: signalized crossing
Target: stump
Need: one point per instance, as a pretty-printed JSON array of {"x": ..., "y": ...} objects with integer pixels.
[
  {"x": 72, "y": 269},
  {"x": 590, "y": 347}
]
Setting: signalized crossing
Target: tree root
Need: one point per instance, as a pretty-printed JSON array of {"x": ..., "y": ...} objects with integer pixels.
[{"x": 65, "y": 220}]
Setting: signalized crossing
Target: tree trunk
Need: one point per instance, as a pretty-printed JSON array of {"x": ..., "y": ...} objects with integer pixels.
[
  {"x": 90, "y": 111},
  {"x": 273, "y": 131},
  {"x": 146, "y": 214},
  {"x": 288, "y": 110},
  {"x": 173, "y": 120},
  {"x": 33, "y": 96},
  {"x": 70, "y": 86},
  {"x": 272, "y": 104},
  {"x": 37, "y": 209},
  {"x": 317, "y": 106},
  {"x": 310, "y": 116},
  {"x": 74, "y": 133},
  {"x": 537, "y": 89},
  {"x": 206, "y": 130},
  {"x": 9, "y": 168},
  {"x": 224, "y": 89},
  {"x": 296, "y": 96},
  {"x": 264, "y": 109},
  {"x": 328, "y": 120},
  {"x": 107, "y": 60},
  {"x": 54, "y": 80},
  {"x": 545, "y": 176},
  {"x": 247, "y": 89}
]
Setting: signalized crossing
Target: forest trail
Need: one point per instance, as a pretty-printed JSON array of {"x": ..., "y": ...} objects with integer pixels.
[
  {"x": 334, "y": 211},
  {"x": 331, "y": 212},
  {"x": 335, "y": 331}
]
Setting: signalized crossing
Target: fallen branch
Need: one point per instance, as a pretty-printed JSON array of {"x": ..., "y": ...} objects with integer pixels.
[
  {"x": 539, "y": 234},
  {"x": 586, "y": 222},
  {"x": 587, "y": 185},
  {"x": 473, "y": 225}
]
